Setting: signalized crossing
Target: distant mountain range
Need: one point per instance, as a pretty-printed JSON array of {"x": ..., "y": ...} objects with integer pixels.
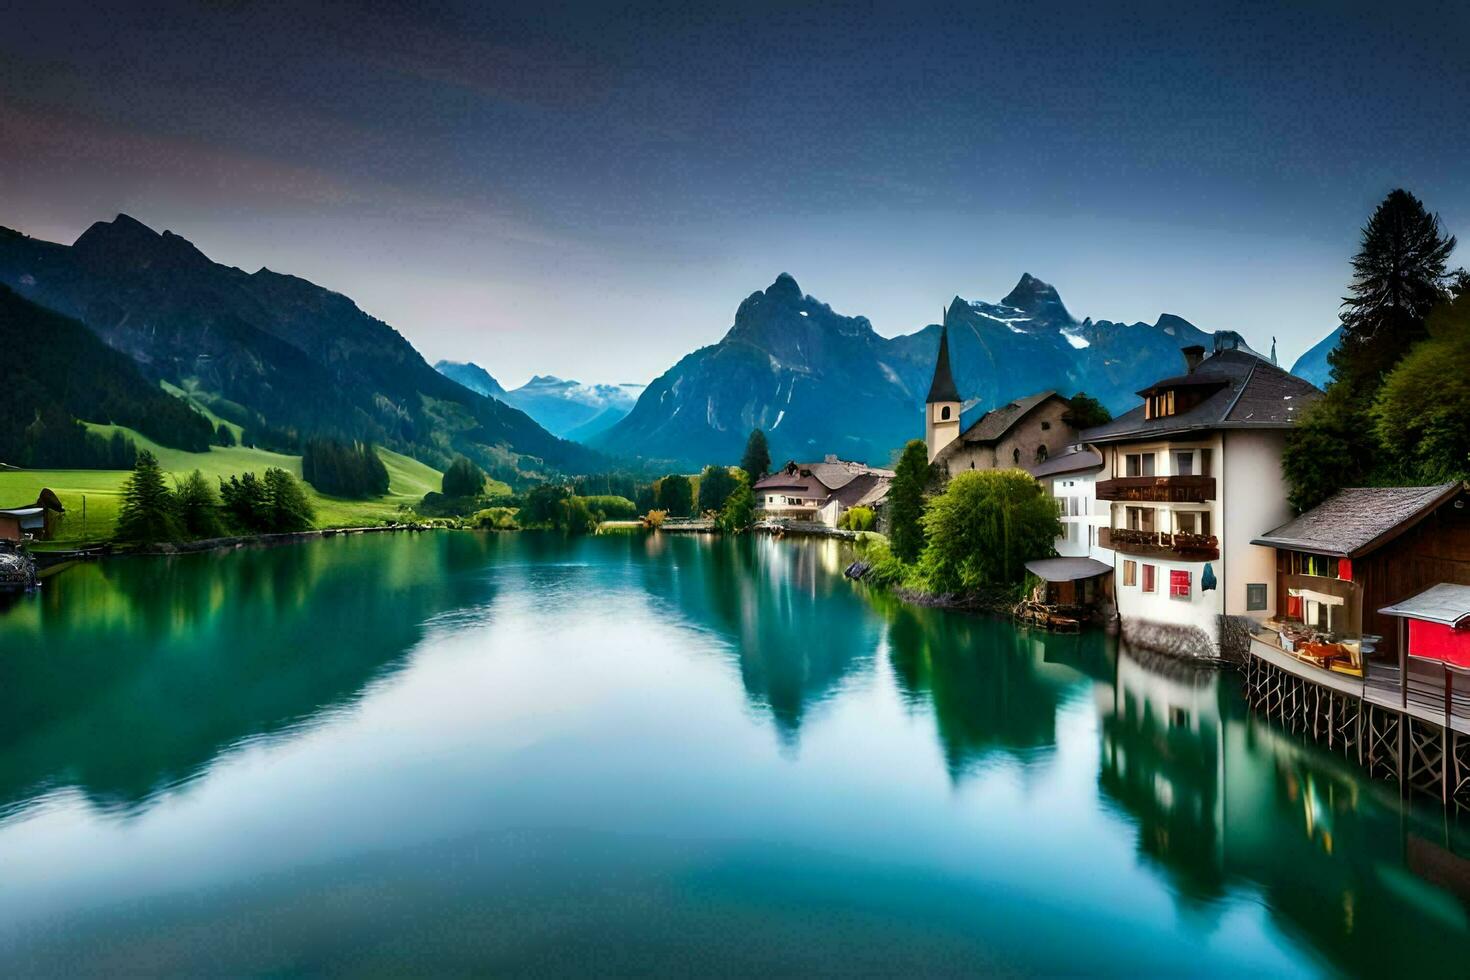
[
  {"x": 281, "y": 356},
  {"x": 565, "y": 408},
  {"x": 820, "y": 382},
  {"x": 1313, "y": 364}
]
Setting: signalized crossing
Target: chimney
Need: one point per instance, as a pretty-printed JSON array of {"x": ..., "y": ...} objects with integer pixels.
[{"x": 1193, "y": 355}]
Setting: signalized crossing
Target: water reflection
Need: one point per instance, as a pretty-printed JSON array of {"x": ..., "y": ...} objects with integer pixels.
[
  {"x": 121, "y": 679},
  {"x": 796, "y": 627},
  {"x": 126, "y": 679}
]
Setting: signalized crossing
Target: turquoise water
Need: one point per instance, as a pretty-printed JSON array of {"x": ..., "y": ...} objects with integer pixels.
[{"x": 454, "y": 753}]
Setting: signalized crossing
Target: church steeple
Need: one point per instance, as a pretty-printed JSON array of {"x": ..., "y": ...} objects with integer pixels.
[
  {"x": 942, "y": 407},
  {"x": 942, "y": 388}
]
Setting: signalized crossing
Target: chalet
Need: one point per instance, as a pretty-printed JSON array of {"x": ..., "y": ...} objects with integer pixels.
[
  {"x": 37, "y": 521},
  {"x": 1021, "y": 433},
  {"x": 820, "y": 492},
  {"x": 1340, "y": 563},
  {"x": 1190, "y": 476}
]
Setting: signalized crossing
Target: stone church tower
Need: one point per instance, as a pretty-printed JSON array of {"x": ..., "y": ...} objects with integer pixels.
[{"x": 942, "y": 407}]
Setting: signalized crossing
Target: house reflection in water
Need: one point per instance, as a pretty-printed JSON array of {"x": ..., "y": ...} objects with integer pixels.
[{"x": 1222, "y": 801}]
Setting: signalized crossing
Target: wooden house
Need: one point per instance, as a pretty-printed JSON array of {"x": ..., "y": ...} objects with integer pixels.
[
  {"x": 38, "y": 521},
  {"x": 1340, "y": 564}
]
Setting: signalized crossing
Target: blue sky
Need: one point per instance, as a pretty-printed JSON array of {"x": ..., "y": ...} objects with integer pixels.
[{"x": 590, "y": 190}]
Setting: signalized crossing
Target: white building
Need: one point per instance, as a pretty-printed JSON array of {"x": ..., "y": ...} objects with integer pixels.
[
  {"x": 1190, "y": 477},
  {"x": 1071, "y": 477}
]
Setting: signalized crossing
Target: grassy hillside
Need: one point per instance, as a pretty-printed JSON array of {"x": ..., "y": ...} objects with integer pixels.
[{"x": 408, "y": 481}]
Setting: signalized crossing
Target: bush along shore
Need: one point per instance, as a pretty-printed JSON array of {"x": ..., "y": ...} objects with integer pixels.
[{"x": 962, "y": 546}]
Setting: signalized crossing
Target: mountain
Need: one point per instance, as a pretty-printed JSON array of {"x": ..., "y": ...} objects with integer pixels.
[
  {"x": 275, "y": 353},
  {"x": 819, "y": 382},
  {"x": 41, "y": 398},
  {"x": 815, "y": 380},
  {"x": 568, "y": 409},
  {"x": 472, "y": 376},
  {"x": 1313, "y": 364}
]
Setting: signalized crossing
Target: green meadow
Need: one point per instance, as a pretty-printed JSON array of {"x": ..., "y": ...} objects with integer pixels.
[{"x": 98, "y": 492}]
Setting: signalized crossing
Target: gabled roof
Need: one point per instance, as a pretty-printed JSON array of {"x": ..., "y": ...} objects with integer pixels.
[
  {"x": 1252, "y": 394},
  {"x": 942, "y": 388},
  {"x": 1445, "y": 603},
  {"x": 1077, "y": 459},
  {"x": 994, "y": 424},
  {"x": 1358, "y": 520},
  {"x": 1067, "y": 569},
  {"x": 863, "y": 489}
]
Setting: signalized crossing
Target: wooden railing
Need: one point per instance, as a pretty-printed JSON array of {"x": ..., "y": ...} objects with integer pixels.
[
  {"x": 1158, "y": 489},
  {"x": 1159, "y": 544}
]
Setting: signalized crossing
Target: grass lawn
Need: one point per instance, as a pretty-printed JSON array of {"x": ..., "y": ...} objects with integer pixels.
[{"x": 408, "y": 481}]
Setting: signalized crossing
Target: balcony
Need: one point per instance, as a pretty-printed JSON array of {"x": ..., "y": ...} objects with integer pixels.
[
  {"x": 1158, "y": 489},
  {"x": 1158, "y": 544}
]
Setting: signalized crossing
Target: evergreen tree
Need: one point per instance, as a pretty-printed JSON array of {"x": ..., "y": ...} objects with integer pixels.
[
  {"x": 463, "y": 479},
  {"x": 906, "y": 501},
  {"x": 344, "y": 469},
  {"x": 198, "y": 507},
  {"x": 1422, "y": 412},
  {"x": 757, "y": 459},
  {"x": 544, "y": 505},
  {"x": 1398, "y": 277},
  {"x": 676, "y": 495},
  {"x": 147, "y": 512},
  {"x": 286, "y": 503},
  {"x": 224, "y": 436},
  {"x": 716, "y": 484},
  {"x": 243, "y": 499}
]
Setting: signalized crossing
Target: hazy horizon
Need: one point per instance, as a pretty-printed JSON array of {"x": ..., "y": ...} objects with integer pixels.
[{"x": 590, "y": 194}]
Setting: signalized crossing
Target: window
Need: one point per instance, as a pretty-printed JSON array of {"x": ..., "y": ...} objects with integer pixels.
[
  {"x": 1191, "y": 522},
  {"x": 1140, "y": 518},
  {"x": 1138, "y": 464},
  {"x": 1148, "y": 578},
  {"x": 1255, "y": 596},
  {"x": 944, "y": 412},
  {"x": 1045, "y": 426},
  {"x": 1178, "y": 584},
  {"x": 1041, "y": 454},
  {"x": 1158, "y": 405},
  {"x": 1184, "y": 463},
  {"x": 1130, "y": 573},
  {"x": 1016, "y": 456}
]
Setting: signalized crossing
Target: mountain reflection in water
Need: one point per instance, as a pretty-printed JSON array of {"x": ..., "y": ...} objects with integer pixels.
[{"x": 542, "y": 725}]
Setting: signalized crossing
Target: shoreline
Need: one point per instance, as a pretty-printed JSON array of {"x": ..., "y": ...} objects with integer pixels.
[{"x": 51, "y": 561}]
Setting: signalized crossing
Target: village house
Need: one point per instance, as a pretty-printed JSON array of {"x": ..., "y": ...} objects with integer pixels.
[
  {"x": 1362, "y": 549},
  {"x": 1367, "y": 646},
  {"x": 1021, "y": 433},
  {"x": 1190, "y": 477},
  {"x": 1079, "y": 581},
  {"x": 38, "y": 521},
  {"x": 822, "y": 492}
]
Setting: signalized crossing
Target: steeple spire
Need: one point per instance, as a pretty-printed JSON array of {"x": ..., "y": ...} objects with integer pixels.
[{"x": 943, "y": 389}]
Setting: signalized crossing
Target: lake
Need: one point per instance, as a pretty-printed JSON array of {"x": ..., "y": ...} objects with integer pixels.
[{"x": 454, "y": 753}]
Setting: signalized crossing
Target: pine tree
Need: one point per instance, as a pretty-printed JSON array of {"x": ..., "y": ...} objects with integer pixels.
[
  {"x": 1398, "y": 277},
  {"x": 147, "y": 512},
  {"x": 757, "y": 459},
  {"x": 286, "y": 503},
  {"x": 906, "y": 501},
  {"x": 676, "y": 495},
  {"x": 198, "y": 507}
]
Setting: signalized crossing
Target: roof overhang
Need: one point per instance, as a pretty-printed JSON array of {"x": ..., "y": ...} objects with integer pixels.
[
  {"x": 1447, "y": 604},
  {"x": 1373, "y": 544},
  {"x": 1067, "y": 569}
]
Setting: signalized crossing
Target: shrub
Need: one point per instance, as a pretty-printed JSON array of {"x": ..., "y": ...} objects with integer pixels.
[
  {"x": 739, "y": 511},
  {"x": 611, "y": 507},
  {"x": 858, "y": 519},
  {"x": 983, "y": 528},
  {"x": 655, "y": 519},
  {"x": 716, "y": 484},
  {"x": 497, "y": 519}
]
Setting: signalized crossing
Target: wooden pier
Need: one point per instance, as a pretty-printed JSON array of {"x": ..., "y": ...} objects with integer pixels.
[{"x": 1415, "y": 734}]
